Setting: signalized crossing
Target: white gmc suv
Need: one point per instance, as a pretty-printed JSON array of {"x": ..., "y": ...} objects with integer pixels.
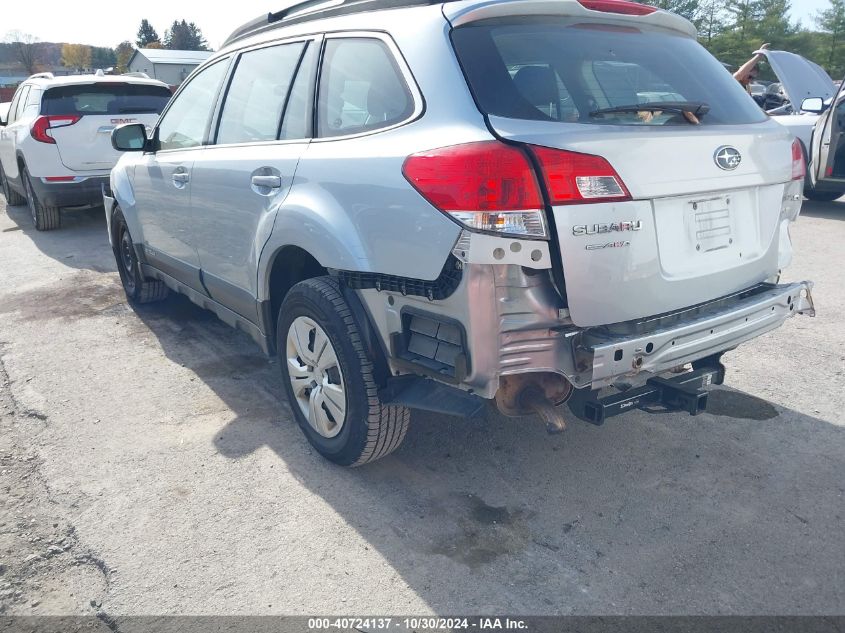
[{"x": 55, "y": 148}]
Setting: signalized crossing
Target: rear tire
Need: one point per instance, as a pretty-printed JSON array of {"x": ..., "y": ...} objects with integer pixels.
[
  {"x": 138, "y": 288},
  {"x": 44, "y": 218},
  {"x": 13, "y": 198},
  {"x": 822, "y": 196},
  {"x": 328, "y": 377}
]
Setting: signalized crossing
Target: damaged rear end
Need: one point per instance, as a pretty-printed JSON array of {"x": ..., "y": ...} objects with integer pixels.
[{"x": 630, "y": 218}]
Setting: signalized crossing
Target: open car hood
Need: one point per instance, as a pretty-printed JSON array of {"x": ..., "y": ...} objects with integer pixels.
[{"x": 800, "y": 77}]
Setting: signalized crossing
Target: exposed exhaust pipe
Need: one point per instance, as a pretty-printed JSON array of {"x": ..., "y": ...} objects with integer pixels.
[{"x": 535, "y": 393}]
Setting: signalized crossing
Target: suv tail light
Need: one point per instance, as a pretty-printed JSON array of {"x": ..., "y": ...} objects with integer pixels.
[
  {"x": 486, "y": 186},
  {"x": 43, "y": 124},
  {"x": 799, "y": 165},
  {"x": 617, "y": 6},
  {"x": 573, "y": 178}
]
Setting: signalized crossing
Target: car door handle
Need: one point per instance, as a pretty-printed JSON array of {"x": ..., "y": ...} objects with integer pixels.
[
  {"x": 271, "y": 182},
  {"x": 181, "y": 178}
]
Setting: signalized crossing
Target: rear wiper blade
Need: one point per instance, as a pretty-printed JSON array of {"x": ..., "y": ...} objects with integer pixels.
[
  {"x": 691, "y": 110},
  {"x": 136, "y": 110}
]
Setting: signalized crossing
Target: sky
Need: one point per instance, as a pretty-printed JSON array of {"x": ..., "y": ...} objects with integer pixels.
[{"x": 107, "y": 23}]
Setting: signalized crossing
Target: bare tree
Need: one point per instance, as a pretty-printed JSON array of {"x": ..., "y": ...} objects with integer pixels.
[{"x": 23, "y": 45}]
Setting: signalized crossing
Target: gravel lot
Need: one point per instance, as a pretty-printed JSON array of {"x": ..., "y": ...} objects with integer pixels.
[{"x": 150, "y": 465}]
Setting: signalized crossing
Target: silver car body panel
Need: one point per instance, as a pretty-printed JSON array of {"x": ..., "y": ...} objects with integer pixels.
[
  {"x": 704, "y": 232},
  {"x": 345, "y": 201}
]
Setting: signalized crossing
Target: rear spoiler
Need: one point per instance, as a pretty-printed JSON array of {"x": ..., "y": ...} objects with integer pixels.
[{"x": 467, "y": 11}]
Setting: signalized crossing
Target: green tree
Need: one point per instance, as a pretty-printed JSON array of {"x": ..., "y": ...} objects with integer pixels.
[
  {"x": 184, "y": 36},
  {"x": 831, "y": 22},
  {"x": 745, "y": 15},
  {"x": 146, "y": 35},
  {"x": 711, "y": 20},
  {"x": 76, "y": 56},
  {"x": 123, "y": 53},
  {"x": 102, "y": 57},
  {"x": 774, "y": 25}
]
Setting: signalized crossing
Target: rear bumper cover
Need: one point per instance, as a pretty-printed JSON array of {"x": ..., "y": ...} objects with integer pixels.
[
  {"x": 84, "y": 191},
  {"x": 658, "y": 344}
]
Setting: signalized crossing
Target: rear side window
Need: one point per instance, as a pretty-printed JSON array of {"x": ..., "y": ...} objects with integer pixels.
[
  {"x": 558, "y": 69},
  {"x": 114, "y": 99},
  {"x": 361, "y": 88},
  {"x": 17, "y": 107},
  {"x": 258, "y": 93},
  {"x": 298, "y": 113}
]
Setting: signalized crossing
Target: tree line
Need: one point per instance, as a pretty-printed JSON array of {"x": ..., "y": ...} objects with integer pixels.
[
  {"x": 733, "y": 29},
  {"x": 730, "y": 29},
  {"x": 33, "y": 55}
]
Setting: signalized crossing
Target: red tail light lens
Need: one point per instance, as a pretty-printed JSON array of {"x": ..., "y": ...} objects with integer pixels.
[
  {"x": 617, "y": 6},
  {"x": 43, "y": 124},
  {"x": 487, "y": 186},
  {"x": 799, "y": 165},
  {"x": 573, "y": 178}
]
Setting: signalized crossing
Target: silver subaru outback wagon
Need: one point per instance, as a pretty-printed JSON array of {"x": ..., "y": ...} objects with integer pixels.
[{"x": 434, "y": 205}]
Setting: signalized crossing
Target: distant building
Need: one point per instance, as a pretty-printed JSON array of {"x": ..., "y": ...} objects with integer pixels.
[{"x": 171, "y": 67}]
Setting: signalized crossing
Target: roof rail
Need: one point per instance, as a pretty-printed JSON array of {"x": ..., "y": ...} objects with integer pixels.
[
  {"x": 42, "y": 76},
  {"x": 305, "y": 10},
  {"x": 136, "y": 73}
]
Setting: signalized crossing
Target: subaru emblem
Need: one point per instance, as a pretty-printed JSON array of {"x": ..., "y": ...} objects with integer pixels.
[{"x": 727, "y": 157}]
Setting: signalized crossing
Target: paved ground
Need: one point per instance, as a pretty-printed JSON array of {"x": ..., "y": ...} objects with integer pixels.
[{"x": 150, "y": 465}]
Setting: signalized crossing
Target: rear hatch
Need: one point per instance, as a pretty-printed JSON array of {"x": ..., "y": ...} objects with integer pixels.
[
  {"x": 699, "y": 181},
  {"x": 94, "y": 110}
]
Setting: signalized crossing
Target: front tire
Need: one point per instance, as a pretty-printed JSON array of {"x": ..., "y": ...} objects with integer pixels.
[
  {"x": 13, "y": 198},
  {"x": 44, "y": 218},
  {"x": 138, "y": 288},
  {"x": 328, "y": 377}
]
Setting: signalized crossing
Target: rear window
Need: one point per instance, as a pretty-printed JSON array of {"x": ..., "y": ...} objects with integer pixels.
[
  {"x": 555, "y": 69},
  {"x": 105, "y": 99}
]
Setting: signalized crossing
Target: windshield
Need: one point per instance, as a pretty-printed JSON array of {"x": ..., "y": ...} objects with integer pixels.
[
  {"x": 561, "y": 70},
  {"x": 111, "y": 98}
]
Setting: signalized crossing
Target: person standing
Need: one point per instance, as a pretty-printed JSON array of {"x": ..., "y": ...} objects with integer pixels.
[{"x": 748, "y": 72}]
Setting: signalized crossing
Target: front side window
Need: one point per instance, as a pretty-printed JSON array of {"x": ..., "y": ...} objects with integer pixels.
[
  {"x": 257, "y": 95},
  {"x": 185, "y": 123},
  {"x": 361, "y": 88},
  {"x": 565, "y": 69}
]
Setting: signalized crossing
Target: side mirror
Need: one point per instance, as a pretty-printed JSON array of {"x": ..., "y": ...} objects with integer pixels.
[
  {"x": 4, "y": 114},
  {"x": 131, "y": 137},
  {"x": 813, "y": 104}
]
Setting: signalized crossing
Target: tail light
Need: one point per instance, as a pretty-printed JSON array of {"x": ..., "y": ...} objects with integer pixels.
[
  {"x": 799, "y": 165},
  {"x": 486, "y": 186},
  {"x": 41, "y": 127},
  {"x": 617, "y": 6},
  {"x": 573, "y": 178},
  {"x": 490, "y": 186}
]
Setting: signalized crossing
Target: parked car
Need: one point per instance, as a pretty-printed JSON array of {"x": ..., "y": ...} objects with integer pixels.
[
  {"x": 827, "y": 171},
  {"x": 439, "y": 205},
  {"x": 55, "y": 148},
  {"x": 807, "y": 91}
]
